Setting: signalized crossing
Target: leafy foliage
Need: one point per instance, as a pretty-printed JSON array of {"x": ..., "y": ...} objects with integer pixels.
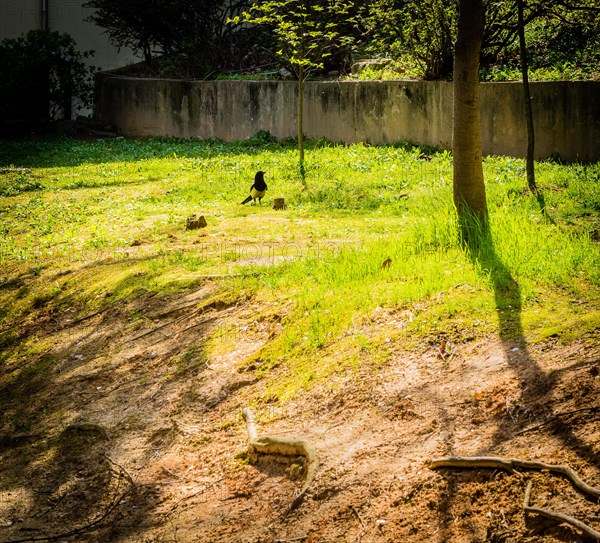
[
  {"x": 562, "y": 40},
  {"x": 39, "y": 73},
  {"x": 423, "y": 31},
  {"x": 306, "y": 32},
  {"x": 191, "y": 36},
  {"x": 562, "y": 37}
]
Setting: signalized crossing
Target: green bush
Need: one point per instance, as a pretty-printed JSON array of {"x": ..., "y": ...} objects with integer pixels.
[{"x": 40, "y": 73}]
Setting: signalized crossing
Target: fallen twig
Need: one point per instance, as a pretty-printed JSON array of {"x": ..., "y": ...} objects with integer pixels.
[
  {"x": 196, "y": 324},
  {"x": 511, "y": 464},
  {"x": 225, "y": 275},
  {"x": 177, "y": 309},
  {"x": 364, "y": 526},
  {"x": 174, "y": 321},
  {"x": 558, "y": 517},
  {"x": 563, "y": 414},
  {"x": 124, "y": 472},
  {"x": 211, "y": 305},
  {"x": 203, "y": 490},
  {"x": 91, "y": 315},
  {"x": 353, "y": 509}
]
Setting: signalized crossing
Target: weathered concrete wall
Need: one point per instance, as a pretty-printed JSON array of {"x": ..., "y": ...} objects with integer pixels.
[
  {"x": 567, "y": 114},
  {"x": 566, "y": 118}
]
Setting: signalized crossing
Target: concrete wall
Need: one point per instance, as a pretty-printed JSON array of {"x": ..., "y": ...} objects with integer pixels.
[{"x": 567, "y": 114}]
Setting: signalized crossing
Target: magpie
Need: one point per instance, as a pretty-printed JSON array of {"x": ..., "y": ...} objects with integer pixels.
[{"x": 258, "y": 188}]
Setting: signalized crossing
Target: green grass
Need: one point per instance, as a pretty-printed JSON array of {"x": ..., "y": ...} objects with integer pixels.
[{"x": 99, "y": 222}]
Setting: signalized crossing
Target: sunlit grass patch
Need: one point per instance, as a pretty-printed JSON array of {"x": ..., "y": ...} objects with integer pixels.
[{"x": 372, "y": 232}]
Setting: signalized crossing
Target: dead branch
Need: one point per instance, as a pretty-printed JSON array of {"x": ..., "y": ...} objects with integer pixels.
[
  {"x": 123, "y": 471},
  {"x": 555, "y": 416},
  {"x": 511, "y": 465},
  {"x": 169, "y": 323},
  {"x": 353, "y": 509},
  {"x": 203, "y": 490},
  {"x": 195, "y": 325},
  {"x": 224, "y": 275},
  {"x": 91, "y": 315},
  {"x": 177, "y": 309},
  {"x": 558, "y": 517}
]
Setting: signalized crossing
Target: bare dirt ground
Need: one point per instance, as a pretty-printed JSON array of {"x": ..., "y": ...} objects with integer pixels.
[{"x": 134, "y": 435}]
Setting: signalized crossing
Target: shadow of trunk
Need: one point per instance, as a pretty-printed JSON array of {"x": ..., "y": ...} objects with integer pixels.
[{"x": 535, "y": 384}]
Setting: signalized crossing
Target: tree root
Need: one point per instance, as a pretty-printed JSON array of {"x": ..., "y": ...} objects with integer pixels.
[
  {"x": 284, "y": 446},
  {"x": 558, "y": 517},
  {"x": 511, "y": 465},
  {"x": 554, "y": 417}
]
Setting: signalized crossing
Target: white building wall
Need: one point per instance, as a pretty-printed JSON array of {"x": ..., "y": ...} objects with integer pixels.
[{"x": 19, "y": 16}]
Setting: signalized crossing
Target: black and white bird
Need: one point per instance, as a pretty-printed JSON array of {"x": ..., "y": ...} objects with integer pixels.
[{"x": 258, "y": 188}]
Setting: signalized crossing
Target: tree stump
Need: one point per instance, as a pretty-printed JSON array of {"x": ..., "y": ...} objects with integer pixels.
[
  {"x": 279, "y": 203},
  {"x": 195, "y": 221}
]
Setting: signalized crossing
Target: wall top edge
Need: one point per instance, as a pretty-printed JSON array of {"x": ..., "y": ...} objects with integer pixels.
[{"x": 234, "y": 82}]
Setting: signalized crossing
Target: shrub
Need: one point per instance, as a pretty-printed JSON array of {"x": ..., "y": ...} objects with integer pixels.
[{"x": 40, "y": 73}]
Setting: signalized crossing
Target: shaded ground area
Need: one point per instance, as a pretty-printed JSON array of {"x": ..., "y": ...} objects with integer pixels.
[{"x": 125, "y": 430}]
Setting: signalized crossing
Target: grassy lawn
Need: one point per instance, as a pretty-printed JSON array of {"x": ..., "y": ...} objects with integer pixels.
[{"x": 94, "y": 223}]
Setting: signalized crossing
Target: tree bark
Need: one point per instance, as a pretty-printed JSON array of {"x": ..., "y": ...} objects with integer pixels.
[
  {"x": 527, "y": 96},
  {"x": 469, "y": 188},
  {"x": 301, "y": 78}
]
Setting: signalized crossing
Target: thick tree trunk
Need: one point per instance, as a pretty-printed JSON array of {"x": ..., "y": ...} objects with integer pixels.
[{"x": 469, "y": 189}]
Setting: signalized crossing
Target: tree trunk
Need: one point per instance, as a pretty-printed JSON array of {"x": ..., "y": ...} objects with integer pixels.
[
  {"x": 527, "y": 96},
  {"x": 300, "y": 121},
  {"x": 469, "y": 189},
  {"x": 147, "y": 53}
]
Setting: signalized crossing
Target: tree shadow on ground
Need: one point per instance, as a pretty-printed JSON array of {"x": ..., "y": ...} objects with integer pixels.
[
  {"x": 71, "y": 152},
  {"x": 535, "y": 384},
  {"x": 538, "y": 395},
  {"x": 69, "y": 413}
]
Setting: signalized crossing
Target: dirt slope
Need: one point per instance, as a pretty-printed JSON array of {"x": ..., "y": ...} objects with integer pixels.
[{"x": 130, "y": 433}]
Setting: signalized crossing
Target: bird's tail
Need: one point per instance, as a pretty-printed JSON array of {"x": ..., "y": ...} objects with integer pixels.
[{"x": 247, "y": 200}]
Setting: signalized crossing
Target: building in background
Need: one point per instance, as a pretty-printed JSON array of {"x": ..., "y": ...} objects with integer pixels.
[{"x": 19, "y": 16}]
